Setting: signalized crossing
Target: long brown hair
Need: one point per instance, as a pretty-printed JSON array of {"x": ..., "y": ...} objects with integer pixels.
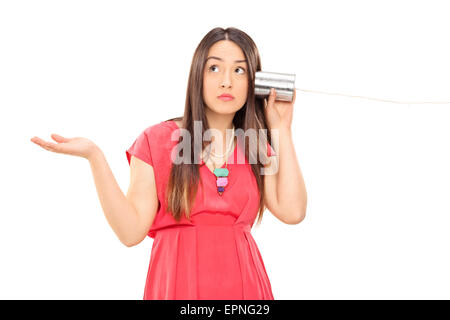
[{"x": 183, "y": 179}]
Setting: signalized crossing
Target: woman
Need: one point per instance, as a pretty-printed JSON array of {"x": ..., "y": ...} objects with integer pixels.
[{"x": 199, "y": 200}]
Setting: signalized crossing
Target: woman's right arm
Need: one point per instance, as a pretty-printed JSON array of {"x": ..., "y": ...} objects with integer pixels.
[{"x": 129, "y": 216}]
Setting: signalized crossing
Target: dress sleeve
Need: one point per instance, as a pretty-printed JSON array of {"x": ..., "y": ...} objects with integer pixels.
[{"x": 140, "y": 149}]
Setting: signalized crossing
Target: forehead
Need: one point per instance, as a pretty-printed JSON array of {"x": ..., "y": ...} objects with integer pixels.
[{"x": 227, "y": 51}]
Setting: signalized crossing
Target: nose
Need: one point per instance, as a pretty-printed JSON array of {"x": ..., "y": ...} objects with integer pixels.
[{"x": 226, "y": 80}]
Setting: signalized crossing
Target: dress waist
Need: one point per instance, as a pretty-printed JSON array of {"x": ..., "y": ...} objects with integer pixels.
[
  {"x": 210, "y": 220},
  {"x": 217, "y": 220}
]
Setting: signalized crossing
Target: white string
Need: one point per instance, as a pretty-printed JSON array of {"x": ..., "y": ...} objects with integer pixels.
[{"x": 384, "y": 100}]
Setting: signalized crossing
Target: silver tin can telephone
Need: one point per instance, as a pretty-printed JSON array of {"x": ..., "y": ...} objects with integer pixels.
[{"x": 283, "y": 83}]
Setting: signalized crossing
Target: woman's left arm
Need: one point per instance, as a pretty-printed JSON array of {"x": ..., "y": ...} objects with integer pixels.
[{"x": 287, "y": 187}]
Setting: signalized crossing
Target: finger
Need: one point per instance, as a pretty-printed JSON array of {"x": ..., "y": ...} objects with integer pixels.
[
  {"x": 38, "y": 141},
  {"x": 272, "y": 96},
  {"x": 59, "y": 138},
  {"x": 44, "y": 144}
]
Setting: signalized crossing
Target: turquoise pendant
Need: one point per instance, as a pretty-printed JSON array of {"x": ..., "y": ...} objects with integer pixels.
[{"x": 221, "y": 179}]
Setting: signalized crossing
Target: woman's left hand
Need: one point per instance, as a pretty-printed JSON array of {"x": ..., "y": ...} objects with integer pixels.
[{"x": 279, "y": 113}]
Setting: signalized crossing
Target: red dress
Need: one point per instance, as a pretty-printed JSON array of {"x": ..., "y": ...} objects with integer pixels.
[{"x": 212, "y": 256}]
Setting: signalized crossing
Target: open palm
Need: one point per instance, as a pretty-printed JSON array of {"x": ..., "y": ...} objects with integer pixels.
[{"x": 81, "y": 147}]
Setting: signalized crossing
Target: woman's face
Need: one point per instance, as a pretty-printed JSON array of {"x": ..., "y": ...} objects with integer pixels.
[{"x": 225, "y": 76}]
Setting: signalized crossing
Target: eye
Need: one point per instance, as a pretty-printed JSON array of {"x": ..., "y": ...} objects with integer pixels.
[
  {"x": 243, "y": 70},
  {"x": 212, "y": 67}
]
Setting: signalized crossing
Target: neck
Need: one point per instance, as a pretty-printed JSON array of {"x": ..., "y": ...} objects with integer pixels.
[{"x": 221, "y": 123}]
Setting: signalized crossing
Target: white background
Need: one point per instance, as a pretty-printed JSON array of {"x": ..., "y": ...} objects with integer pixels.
[{"x": 377, "y": 173}]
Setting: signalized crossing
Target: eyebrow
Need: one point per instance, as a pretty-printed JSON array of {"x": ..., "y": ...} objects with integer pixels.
[{"x": 213, "y": 57}]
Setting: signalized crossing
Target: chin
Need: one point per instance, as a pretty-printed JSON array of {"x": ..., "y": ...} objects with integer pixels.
[
  {"x": 223, "y": 110},
  {"x": 228, "y": 111}
]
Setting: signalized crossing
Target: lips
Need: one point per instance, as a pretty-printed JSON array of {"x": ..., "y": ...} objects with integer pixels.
[{"x": 226, "y": 97}]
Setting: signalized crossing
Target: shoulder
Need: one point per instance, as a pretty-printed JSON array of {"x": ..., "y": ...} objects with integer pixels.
[
  {"x": 161, "y": 129},
  {"x": 162, "y": 135}
]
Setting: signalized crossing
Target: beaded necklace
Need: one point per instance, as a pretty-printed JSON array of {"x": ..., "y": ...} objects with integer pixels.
[{"x": 222, "y": 173}]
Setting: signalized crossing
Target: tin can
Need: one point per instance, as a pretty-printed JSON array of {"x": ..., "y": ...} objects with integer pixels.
[{"x": 283, "y": 83}]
